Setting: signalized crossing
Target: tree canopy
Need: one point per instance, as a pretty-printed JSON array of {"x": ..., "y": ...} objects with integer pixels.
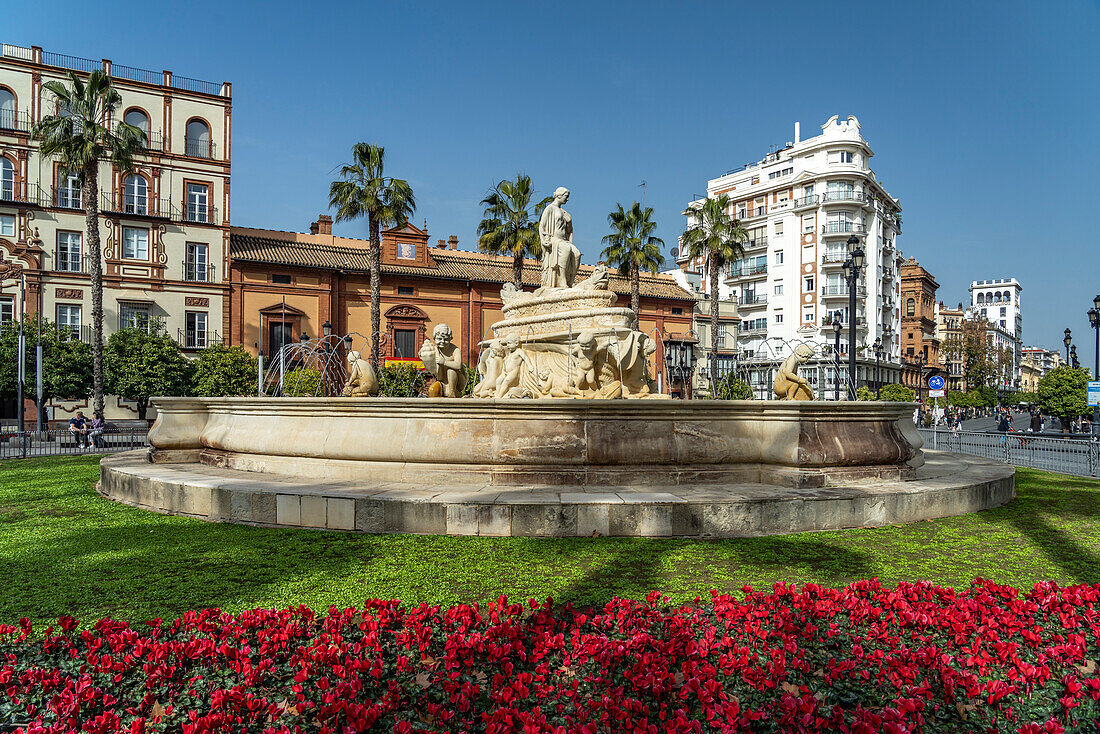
[
  {"x": 67, "y": 362},
  {"x": 221, "y": 371},
  {"x": 510, "y": 223},
  {"x": 141, "y": 365},
  {"x": 1062, "y": 392}
]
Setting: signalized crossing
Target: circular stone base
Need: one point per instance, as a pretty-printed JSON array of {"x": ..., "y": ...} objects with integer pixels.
[{"x": 947, "y": 484}]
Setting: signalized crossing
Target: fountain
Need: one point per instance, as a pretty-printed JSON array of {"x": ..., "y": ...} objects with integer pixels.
[{"x": 564, "y": 436}]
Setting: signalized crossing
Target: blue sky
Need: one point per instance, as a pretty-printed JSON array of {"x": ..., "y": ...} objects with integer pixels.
[{"x": 983, "y": 116}]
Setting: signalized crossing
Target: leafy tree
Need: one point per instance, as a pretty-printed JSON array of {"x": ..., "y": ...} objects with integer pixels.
[
  {"x": 1025, "y": 396},
  {"x": 141, "y": 365},
  {"x": 402, "y": 381},
  {"x": 864, "y": 393},
  {"x": 302, "y": 382},
  {"x": 222, "y": 371},
  {"x": 632, "y": 247},
  {"x": 510, "y": 223},
  {"x": 78, "y": 137},
  {"x": 364, "y": 191},
  {"x": 718, "y": 238},
  {"x": 66, "y": 362},
  {"x": 1062, "y": 393},
  {"x": 895, "y": 392},
  {"x": 731, "y": 388}
]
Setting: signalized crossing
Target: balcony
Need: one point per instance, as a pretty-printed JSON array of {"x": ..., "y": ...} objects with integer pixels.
[
  {"x": 752, "y": 300},
  {"x": 754, "y": 213},
  {"x": 200, "y": 213},
  {"x": 888, "y": 303},
  {"x": 15, "y": 122},
  {"x": 70, "y": 263},
  {"x": 752, "y": 330},
  {"x": 842, "y": 228},
  {"x": 199, "y": 148},
  {"x": 887, "y": 274},
  {"x": 139, "y": 206},
  {"x": 66, "y": 197},
  {"x": 190, "y": 339},
  {"x": 194, "y": 273},
  {"x": 846, "y": 196},
  {"x": 806, "y": 202},
  {"x": 834, "y": 257},
  {"x": 21, "y": 193},
  {"x": 754, "y": 242},
  {"x": 745, "y": 272},
  {"x": 842, "y": 290},
  {"x": 827, "y": 322}
]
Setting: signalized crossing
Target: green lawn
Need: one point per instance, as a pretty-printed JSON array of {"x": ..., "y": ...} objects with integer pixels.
[{"x": 66, "y": 550}]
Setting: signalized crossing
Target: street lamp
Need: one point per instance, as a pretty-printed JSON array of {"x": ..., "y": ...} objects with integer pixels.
[
  {"x": 851, "y": 268},
  {"x": 836, "y": 353},
  {"x": 1073, "y": 358},
  {"x": 326, "y": 329},
  {"x": 1067, "y": 341},
  {"x": 680, "y": 360},
  {"x": 1094, "y": 322},
  {"x": 878, "y": 365}
]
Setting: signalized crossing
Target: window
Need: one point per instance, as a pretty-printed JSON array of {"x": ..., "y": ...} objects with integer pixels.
[
  {"x": 778, "y": 228},
  {"x": 845, "y": 156},
  {"x": 7, "y": 109},
  {"x": 134, "y": 316},
  {"x": 778, "y": 289},
  {"x": 135, "y": 195},
  {"x": 405, "y": 290},
  {"x": 138, "y": 119},
  {"x": 784, "y": 172},
  {"x": 68, "y": 319},
  {"x": 68, "y": 252},
  {"x": 195, "y": 331},
  {"x": 404, "y": 343},
  {"x": 7, "y": 309},
  {"x": 68, "y": 190},
  {"x": 779, "y": 318},
  {"x": 197, "y": 140},
  {"x": 196, "y": 266},
  {"x": 1004, "y": 311},
  {"x": 7, "y": 225},
  {"x": 742, "y": 212},
  {"x": 676, "y": 311},
  {"x": 7, "y": 179},
  {"x": 808, "y": 224},
  {"x": 808, "y": 285},
  {"x": 135, "y": 243},
  {"x": 778, "y": 257},
  {"x": 280, "y": 279},
  {"x": 198, "y": 196},
  {"x": 910, "y": 307}
]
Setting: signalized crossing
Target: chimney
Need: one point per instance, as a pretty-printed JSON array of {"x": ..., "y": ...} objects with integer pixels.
[
  {"x": 452, "y": 242},
  {"x": 442, "y": 245},
  {"x": 324, "y": 224},
  {"x": 313, "y": 228},
  {"x": 797, "y": 133}
]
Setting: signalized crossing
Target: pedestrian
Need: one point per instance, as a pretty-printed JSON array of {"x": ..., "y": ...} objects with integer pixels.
[
  {"x": 95, "y": 434},
  {"x": 1004, "y": 423},
  {"x": 78, "y": 427},
  {"x": 1036, "y": 422}
]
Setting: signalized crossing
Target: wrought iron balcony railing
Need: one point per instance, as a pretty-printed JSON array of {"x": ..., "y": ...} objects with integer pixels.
[
  {"x": 842, "y": 195},
  {"x": 193, "y": 273},
  {"x": 842, "y": 290},
  {"x": 191, "y": 339},
  {"x": 199, "y": 213},
  {"x": 199, "y": 148},
  {"x": 843, "y": 228},
  {"x": 139, "y": 206},
  {"x": 12, "y": 121}
]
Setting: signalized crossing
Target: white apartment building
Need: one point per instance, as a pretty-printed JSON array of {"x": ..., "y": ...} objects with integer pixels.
[
  {"x": 998, "y": 301},
  {"x": 1046, "y": 359},
  {"x": 801, "y": 204},
  {"x": 164, "y": 227}
]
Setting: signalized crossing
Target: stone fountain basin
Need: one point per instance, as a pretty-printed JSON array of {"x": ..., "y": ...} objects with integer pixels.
[{"x": 544, "y": 442}]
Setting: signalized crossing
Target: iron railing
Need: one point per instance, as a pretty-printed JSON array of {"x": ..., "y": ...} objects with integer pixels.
[
  {"x": 135, "y": 74},
  {"x": 191, "y": 339},
  {"x": 752, "y": 300},
  {"x": 199, "y": 148},
  {"x": 19, "y": 122},
  {"x": 64, "y": 61},
  {"x": 843, "y": 228},
  {"x": 1069, "y": 455},
  {"x": 758, "y": 241},
  {"x": 810, "y": 200},
  {"x": 61, "y": 442},
  {"x": 153, "y": 140},
  {"x": 199, "y": 213},
  {"x": 843, "y": 195},
  {"x": 196, "y": 85},
  {"x": 834, "y": 257},
  {"x": 194, "y": 273},
  {"x": 139, "y": 206},
  {"x": 18, "y": 192},
  {"x": 753, "y": 270},
  {"x": 842, "y": 290}
]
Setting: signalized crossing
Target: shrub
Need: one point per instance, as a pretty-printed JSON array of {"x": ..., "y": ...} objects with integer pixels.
[
  {"x": 139, "y": 365},
  {"x": 731, "y": 388},
  {"x": 222, "y": 371},
  {"x": 402, "y": 381},
  {"x": 864, "y": 393},
  {"x": 302, "y": 382},
  {"x": 897, "y": 393}
]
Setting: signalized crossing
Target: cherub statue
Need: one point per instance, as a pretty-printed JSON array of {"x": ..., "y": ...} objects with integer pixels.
[
  {"x": 442, "y": 359},
  {"x": 361, "y": 381},
  {"x": 788, "y": 385},
  {"x": 584, "y": 368},
  {"x": 511, "y": 374},
  {"x": 489, "y": 366}
]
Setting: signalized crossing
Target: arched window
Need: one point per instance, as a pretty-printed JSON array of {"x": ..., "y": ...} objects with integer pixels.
[
  {"x": 7, "y": 109},
  {"x": 910, "y": 307},
  {"x": 7, "y": 179},
  {"x": 197, "y": 139},
  {"x": 981, "y": 299},
  {"x": 135, "y": 195},
  {"x": 138, "y": 119}
]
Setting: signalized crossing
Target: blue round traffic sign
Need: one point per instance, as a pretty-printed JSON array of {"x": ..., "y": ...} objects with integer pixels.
[{"x": 935, "y": 382}]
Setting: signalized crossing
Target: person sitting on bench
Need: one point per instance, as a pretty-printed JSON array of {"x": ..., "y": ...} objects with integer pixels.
[{"x": 78, "y": 426}]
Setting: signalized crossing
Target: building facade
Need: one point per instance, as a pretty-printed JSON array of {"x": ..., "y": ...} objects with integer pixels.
[
  {"x": 920, "y": 345},
  {"x": 164, "y": 227},
  {"x": 998, "y": 301},
  {"x": 699, "y": 336},
  {"x": 949, "y": 333},
  {"x": 286, "y": 286},
  {"x": 1046, "y": 359},
  {"x": 801, "y": 204}
]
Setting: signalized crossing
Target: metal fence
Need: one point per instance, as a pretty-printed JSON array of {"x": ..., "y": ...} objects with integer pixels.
[
  {"x": 1079, "y": 456},
  {"x": 15, "y": 445}
]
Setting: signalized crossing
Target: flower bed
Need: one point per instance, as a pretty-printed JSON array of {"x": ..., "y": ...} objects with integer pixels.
[{"x": 860, "y": 659}]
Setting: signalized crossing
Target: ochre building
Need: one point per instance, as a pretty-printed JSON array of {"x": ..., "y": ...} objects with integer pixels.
[{"x": 323, "y": 278}]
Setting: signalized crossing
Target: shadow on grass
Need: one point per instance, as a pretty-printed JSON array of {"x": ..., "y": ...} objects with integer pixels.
[{"x": 1045, "y": 505}]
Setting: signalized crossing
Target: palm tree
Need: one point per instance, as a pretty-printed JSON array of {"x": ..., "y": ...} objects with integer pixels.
[
  {"x": 631, "y": 246},
  {"x": 78, "y": 137},
  {"x": 717, "y": 237},
  {"x": 364, "y": 191},
  {"x": 510, "y": 224}
]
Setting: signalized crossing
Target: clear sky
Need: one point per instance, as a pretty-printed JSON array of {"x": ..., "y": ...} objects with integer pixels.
[{"x": 983, "y": 115}]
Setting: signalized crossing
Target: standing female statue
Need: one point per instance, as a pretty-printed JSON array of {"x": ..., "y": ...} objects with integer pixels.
[{"x": 560, "y": 258}]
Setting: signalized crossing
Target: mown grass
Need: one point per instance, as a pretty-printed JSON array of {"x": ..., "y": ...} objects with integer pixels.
[{"x": 66, "y": 550}]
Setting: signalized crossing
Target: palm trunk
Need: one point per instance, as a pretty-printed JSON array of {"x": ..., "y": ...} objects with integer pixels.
[
  {"x": 517, "y": 271},
  {"x": 89, "y": 189},
  {"x": 375, "y": 292},
  {"x": 635, "y": 294},
  {"x": 713, "y": 330}
]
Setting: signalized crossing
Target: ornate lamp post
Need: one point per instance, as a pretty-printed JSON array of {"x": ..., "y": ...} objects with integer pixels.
[
  {"x": 1074, "y": 363},
  {"x": 852, "y": 267},
  {"x": 680, "y": 361},
  {"x": 1067, "y": 341},
  {"x": 878, "y": 365},
  {"x": 1094, "y": 322},
  {"x": 836, "y": 353}
]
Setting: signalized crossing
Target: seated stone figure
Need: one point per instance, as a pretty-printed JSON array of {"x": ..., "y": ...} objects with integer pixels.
[
  {"x": 788, "y": 385},
  {"x": 362, "y": 381},
  {"x": 516, "y": 363},
  {"x": 442, "y": 359},
  {"x": 489, "y": 367}
]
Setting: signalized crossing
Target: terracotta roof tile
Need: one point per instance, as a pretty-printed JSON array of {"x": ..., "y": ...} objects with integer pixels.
[{"x": 448, "y": 264}]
